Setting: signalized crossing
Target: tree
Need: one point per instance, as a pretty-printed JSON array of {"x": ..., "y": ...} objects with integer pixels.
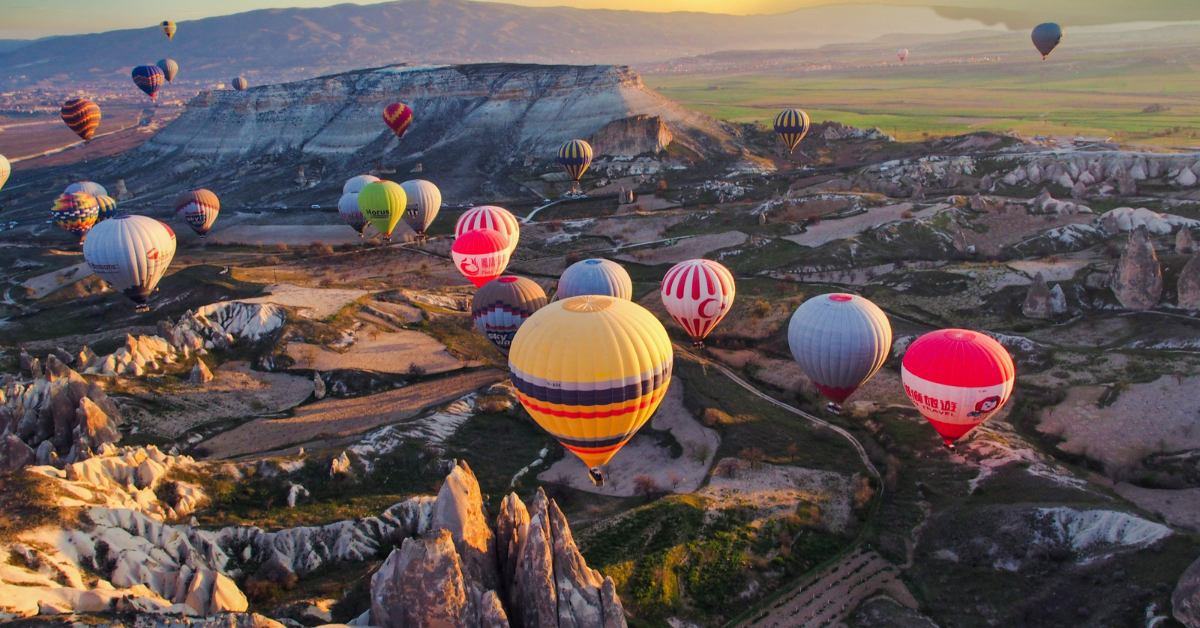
[
  {"x": 753, "y": 455},
  {"x": 727, "y": 467},
  {"x": 645, "y": 485},
  {"x": 675, "y": 479},
  {"x": 793, "y": 450}
]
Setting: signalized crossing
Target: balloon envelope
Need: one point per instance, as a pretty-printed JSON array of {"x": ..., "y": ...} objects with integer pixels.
[
  {"x": 239, "y": 83},
  {"x": 149, "y": 79},
  {"x": 169, "y": 68},
  {"x": 591, "y": 371},
  {"x": 354, "y": 185},
  {"x": 1046, "y": 37},
  {"x": 106, "y": 206},
  {"x": 199, "y": 209},
  {"x": 490, "y": 217},
  {"x": 76, "y": 212},
  {"x": 87, "y": 187},
  {"x": 902, "y": 53},
  {"x": 698, "y": 293},
  {"x": 791, "y": 125},
  {"x": 957, "y": 378},
  {"x": 398, "y": 116},
  {"x": 480, "y": 255},
  {"x": 5, "y": 170},
  {"x": 382, "y": 204},
  {"x": 424, "y": 201},
  {"x": 82, "y": 116},
  {"x": 130, "y": 253},
  {"x": 502, "y": 305},
  {"x": 575, "y": 156},
  {"x": 350, "y": 213},
  {"x": 168, "y": 28},
  {"x": 839, "y": 341},
  {"x": 599, "y": 277}
]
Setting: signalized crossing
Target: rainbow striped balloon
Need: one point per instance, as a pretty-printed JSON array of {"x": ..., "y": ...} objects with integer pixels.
[{"x": 76, "y": 212}]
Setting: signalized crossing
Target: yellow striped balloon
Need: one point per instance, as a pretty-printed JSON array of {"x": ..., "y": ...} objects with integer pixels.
[
  {"x": 591, "y": 370},
  {"x": 575, "y": 156},
  {"x": 791, "y": 125}
]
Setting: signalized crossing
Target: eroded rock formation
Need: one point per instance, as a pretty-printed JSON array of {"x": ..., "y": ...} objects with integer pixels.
[
  {"x": 1137, "y": 279},
  {"x": 1043, "y": 302},
  {"x": 1189, "y": 284},
  {"x": 1185, "y": 601},
  {"x": 632, "y": 136}
]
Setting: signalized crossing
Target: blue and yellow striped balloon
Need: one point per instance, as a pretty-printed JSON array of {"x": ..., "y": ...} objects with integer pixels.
[
  {"x": 591, "y": 370},
  {"x": 575, "y": 156},
  {"x": 791, "y": 125}
]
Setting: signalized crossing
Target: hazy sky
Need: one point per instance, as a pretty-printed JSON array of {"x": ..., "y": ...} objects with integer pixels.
[{"x": 26, "y": 19}]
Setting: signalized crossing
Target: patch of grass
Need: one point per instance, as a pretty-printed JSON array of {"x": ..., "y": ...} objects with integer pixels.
[
  {"x": 27, "y": 502},
  {"x": 496, "y": 446}
]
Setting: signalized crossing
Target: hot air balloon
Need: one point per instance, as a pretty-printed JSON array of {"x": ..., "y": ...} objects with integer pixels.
[
  {"x": 351, "y": 214},
  {"x": 76, "y": 212},
  {"x": 957, "y": 379},
  {"x": 902, "y": 53},
  {"x": 490, "y": 217},
  {"x": 382, "y": 204},
  {"x": 5, "y": 170},
  {"x": 591, "y": 371},
  {"x": 575, "y": 156},
  {"x": 698, "y": 294},
  {"x": 106, "y": 207},
  {"x": 599, "y": 277},
  {"x": 424, "y": 201},
  {"x": 354, "y": 185},
  {"x": 130, "y": 253},
  {"x": 480, "y": 255},
  {"x": 502, "y": 305},
  {"x": 82, "y": 115},
  {"x": 1046, "y": 37},
  {"x": 839, "y": 341},
  {"x": 398, "y": 116},
  {"x": 169, "y": 68},
  {"x": 149, "y": 78},
  {"x": 791, "y": 125},
  {"x": 198, "y": 208},
  {"x": 239, "y": 83},
  {"x": 168, "y": 28},
  {"x": 87, "y": 187}
]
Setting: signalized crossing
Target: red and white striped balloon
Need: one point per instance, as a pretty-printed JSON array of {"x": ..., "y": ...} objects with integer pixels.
[
  {"x": 698, "y": 294},
  {"x": 957, "y": 379},
  {"x": 490, "y": 217},
  {"x": 480, "y": 255}
]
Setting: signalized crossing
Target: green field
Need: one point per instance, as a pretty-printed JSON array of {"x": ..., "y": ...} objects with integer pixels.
[{"x": 1075, "y": 93}]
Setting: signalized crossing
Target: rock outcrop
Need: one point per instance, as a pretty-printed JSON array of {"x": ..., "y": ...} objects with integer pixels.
[
  {"x": 632, "y": 136},
  {"x": 60, "y": 416},
  {"x": 463, "y": 574},
  {"x": 1185, "y": 601},
  {"x": 1184, "y": 244},
  {"x": 1188, "y": 286},
  {"x": 1128, "y": 219},
  {"x": 200, "y": 373},
  {"x": 1046, "y": 204},
  {"x": 1042, "y": 302},
  {"x": 1137, "y": 279}
]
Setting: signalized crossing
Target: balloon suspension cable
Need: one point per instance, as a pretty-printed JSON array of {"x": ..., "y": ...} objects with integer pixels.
[{"x": 596, "y": 476}]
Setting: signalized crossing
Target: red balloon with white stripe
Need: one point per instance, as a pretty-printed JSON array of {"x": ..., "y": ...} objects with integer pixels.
[
  {"x": 480, "y": 255},
  {"x": 490, "y": 217},
  {"x": 698, "y": 294},
  {"x": 958, "y": 379}
]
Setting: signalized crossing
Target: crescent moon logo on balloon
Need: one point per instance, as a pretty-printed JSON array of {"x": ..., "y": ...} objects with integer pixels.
[
  {"x": 704, "y": 304},
  {"x": 469, "y": 267}
]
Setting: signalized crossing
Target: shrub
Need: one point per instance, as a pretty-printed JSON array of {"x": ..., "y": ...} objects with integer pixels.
[
  {"x": 320, "y": 249},
  {"x": 760, "y": 309},
  {"x": 646, "y": 485},
  {"x": 415, "y": 370},
  {"x": 906, "y": 214},
  {"x": 271, "y": 260},
  {"x": 282, "y": 247},
  {"x": 572, "y": 257},
  {"x": 713, "y": 417}
]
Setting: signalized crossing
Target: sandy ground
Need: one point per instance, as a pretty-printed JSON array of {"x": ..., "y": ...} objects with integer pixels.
[
  {"x": 642, "y": 455},
  {"x": 379, "y": 352},
  {"x": 43, "y": 285},
  {"x": 689, "y": 248},
  {"x": 331, "y": 418},
  {"x": 833, "y": 593},
  {"x": 310, "y": 302},
  {"x": 775, "y": 490},
  {"x": 783, "y": 374},
  {"x": 1015, "y": 225},
  {"x": 842, "y": 228},
  {"x": 1179, "y": 508},
  {"x": 1161, "y": 416},
  {"x": 634, "y": 228},
  {"x": 1061, "y": 270},
  {"x": 235, "y": 392}
]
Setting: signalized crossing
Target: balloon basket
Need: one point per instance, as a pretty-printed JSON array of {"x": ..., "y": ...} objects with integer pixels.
[
  {"x": 141, "y": 309},
  {"x": 833, "y": 408},
  {"x": 596, "y": 477},
  {"x": 697, "y": 344}
]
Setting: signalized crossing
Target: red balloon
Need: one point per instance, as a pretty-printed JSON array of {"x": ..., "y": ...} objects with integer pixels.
[
  {"x": 398, "y": 116},
  {"x": 481, "y": 255},
  {"x": 957, "y": 379}
]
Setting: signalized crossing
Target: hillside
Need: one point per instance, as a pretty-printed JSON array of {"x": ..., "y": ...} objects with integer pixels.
[{"x": 286, "y": 44}]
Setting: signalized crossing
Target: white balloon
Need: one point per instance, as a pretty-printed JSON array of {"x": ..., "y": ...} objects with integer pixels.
[
  {"x": 130, "y": 253},
  {"x": 88, "y": 187},
  {"x": 356, "y": 184}
]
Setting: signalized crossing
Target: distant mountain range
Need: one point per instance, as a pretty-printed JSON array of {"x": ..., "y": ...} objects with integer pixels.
[{"x": 269, "y": 46}]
